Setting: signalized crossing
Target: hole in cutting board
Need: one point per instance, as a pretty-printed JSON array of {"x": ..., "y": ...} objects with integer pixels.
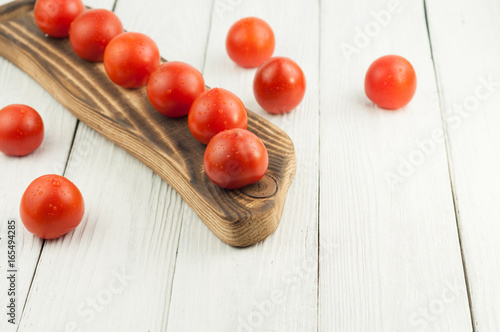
[{"x": 265, "y": 188}]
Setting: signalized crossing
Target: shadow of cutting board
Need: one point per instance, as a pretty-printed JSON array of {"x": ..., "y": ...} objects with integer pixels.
[{"x": 238, "y": 217}]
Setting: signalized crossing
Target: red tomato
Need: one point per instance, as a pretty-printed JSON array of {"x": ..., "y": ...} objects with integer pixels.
[
  {"x": 91, "y": 32},
  {"x": 216, "y": 110},
  {"x": 235, "y": 158},
  {"x": 51, "y": 206},
  {"x": 54, "y": 17},
  {"x": 21, "y": 130},
  {"x": 130, "y": 58},
  {"x": 279, "y": 85},
  {"x": 250, "y": 42},
  {"x": 390, "y": 82},
  {"x": 173, "y": 87}
]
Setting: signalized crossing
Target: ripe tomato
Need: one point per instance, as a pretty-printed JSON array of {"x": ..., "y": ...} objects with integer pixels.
[
  {"x": 91, "y": 32},
  {"x": 54, "y": 17},
  {"x": 21, "y": 130},
  {"x": 173, "y": 87},
  {"x": 130, "y": 58},
  {"x": 390, "y": 82},
  {"x": 235, "y": 158},
  {"x": 51, "y": 206},
  {"x": 250, "y": 42},
  {"x": 216, "y": 110},
  {"x": 279, "y": 85}
]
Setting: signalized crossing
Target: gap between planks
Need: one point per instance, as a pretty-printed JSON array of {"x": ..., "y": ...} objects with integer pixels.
[
  {"x": 447, "y": 149},
  {"x": 318, "y": 216}
]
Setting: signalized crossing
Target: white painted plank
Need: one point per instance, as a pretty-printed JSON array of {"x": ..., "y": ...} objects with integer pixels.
[
  {"x": 398, "y": 264},
  {"x": 16, "y": 173},
  {"x": 271, "y": 286},
  {"x": 117, "y": 265},
  {"x": 466, "y": 50}
]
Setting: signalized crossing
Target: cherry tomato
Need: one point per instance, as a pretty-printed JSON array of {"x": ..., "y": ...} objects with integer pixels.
[
  {"x": 91, "y": 32},
  {"x": 216, "y": 110},
  {"x": 235, "y": 158},
  {"x": 173, "y": 87},
  {"x": 54, "y": 17},
  {"x": 390, "y": 82},
  {"x": 130, "y": 58},
  {"x": 279, "y": 85},
  {"x": 250, "y": 42},
  {"x": 51, "y": 206},
  {"x": 21, "y": 130}
]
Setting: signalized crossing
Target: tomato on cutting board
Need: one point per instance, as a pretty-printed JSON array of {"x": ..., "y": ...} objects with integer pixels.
[
  {"x": 21, "y": 130},
  {"x": 51, "y": 206},
  {"x": 235, "y": 158},
  {"x": 216, "y": 110},
  {"x": 279, "y": 85},
  {"x": 250, "y": 42},
  {"x": 173, "y": 87},
  {"x": 130, "y": 58},
  {"x": 54, "y": 17},
  {"x": 92, "y": 31},
  {"x": 390, "y": 82}
]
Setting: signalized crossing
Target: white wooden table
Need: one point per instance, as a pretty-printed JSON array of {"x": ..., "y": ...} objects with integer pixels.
[{"x": 391, "y": 224}]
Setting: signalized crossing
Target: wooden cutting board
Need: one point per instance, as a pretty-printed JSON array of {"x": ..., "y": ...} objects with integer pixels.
[{"x": 124, "y": 116}]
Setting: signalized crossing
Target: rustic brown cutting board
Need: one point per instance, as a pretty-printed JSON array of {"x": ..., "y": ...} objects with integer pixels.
[{"x": 238, "y": 217}]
